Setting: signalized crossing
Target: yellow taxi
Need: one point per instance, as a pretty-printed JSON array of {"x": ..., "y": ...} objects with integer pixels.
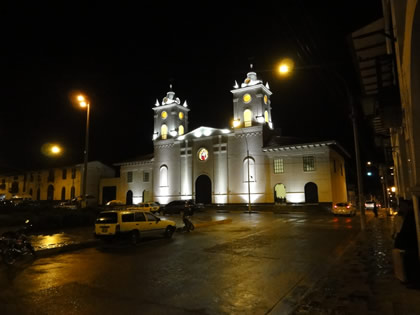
[{"x": 131, "y": 223}]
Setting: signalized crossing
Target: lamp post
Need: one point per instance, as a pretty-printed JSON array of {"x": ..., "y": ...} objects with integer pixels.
[
  {"x": 85, "y": 104},
  {"x": 236, "y": 123},
  {"x": 285, "y": 68}
]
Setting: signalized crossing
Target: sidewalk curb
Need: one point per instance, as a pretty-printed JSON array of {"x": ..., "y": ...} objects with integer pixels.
[
  {"x": 66, "y": 248},
  {"x": 288, "y": 303}
]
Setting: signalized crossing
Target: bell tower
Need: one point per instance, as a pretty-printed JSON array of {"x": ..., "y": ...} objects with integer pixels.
[
  {"x": 251, "y": 102},
  {"x": 171, "y": 118}
]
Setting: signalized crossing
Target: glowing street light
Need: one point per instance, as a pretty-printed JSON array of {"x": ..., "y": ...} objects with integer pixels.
[
  {"x": 55, "y": 149},
  {"x": 85, "y": 104}
]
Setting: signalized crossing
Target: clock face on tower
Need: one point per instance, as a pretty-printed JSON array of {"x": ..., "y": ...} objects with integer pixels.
[
  {"x": 203, "y": 154},
  {"x": 247, "y": 98},
  {"x": 181, "y": 115},
  {"x": 164, "y": 115}
]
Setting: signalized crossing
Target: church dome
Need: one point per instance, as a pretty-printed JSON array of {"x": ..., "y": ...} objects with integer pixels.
[
  {"x": 251, "y": 79},
  {"x": 170, "y": 98}
]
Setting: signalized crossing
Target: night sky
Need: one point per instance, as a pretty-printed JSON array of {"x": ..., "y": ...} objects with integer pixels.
[{"x": 125, "y": 56}]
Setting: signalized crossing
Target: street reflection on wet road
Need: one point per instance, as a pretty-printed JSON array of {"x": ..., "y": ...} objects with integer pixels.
[{"x": 245, "y": 267}]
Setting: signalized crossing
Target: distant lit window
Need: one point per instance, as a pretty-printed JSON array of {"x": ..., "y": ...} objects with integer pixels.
[
  {"x": 248, "y": 118},
  {"x": 73, "y": 173},
  {"x": 164, "y": 131},
  {"x": 308, "y": 163},
  {"x": 265, "y": 99},
  {"x": 181, "y": 115},
  {"x": 278, "y": 166},
  {"x": 163, "y": 172},
  {"x": 251, "y": 168},
  {"x": 181, "y": 130},
  {"x": 64, "y": 173},
  {"x": 266, "y": 116},
  {"x": 164, "y": 115},
  {"x": 146, "y": 176},
  {"x": 129, "y": 177}
]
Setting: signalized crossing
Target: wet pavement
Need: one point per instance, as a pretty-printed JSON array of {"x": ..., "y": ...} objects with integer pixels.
[
  {"x": 57, "y": 239},
  {"x": 362, "y": 281}
]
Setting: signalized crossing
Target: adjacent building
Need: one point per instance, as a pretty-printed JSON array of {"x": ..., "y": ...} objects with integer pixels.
[{"x": 62, "y": 183}]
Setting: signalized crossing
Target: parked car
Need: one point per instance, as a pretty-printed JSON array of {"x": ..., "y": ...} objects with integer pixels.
[
  {"x": 131, "y": 223},
  {"x": 369, "y": 204},
  {"x": 149, "y": 206},
  {"x": 68, "y": 204},
  {"x": 176, "y": 206},
  {"x": 343, "y": 208}
]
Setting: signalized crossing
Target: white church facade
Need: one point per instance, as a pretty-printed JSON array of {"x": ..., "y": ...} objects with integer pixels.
[{"x": 248, "y": 162}]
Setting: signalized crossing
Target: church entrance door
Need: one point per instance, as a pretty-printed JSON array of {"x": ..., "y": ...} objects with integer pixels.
[
  {"x": 311, "y": 193},
  {"x": 203, "y": 189}
]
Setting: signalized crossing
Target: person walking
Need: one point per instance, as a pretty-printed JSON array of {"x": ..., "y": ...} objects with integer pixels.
[{"x": 375, "y": 209}]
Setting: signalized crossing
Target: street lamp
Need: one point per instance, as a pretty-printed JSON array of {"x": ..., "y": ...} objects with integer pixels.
[
  {"x": 285, "y": 68},
  {"x": 84, "y": 103},
  {"x": 236, "y": 123}
]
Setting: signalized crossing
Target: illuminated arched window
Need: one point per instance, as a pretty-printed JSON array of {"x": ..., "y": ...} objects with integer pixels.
[
  {"x": 164, "y": 131},
  {"x": 247, "y": 118},
  {"x": 251, "y": 169},
  {"x": 163, "y": 175},
  {"x": 181, "y": 130},
  {"x": 266, "y": 116}
]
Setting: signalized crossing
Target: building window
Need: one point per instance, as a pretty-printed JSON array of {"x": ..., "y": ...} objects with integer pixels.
[
  {"x": 64, "y": 173},
  {"x": 266, "y": 116},
  {"x": 72, "y": 192},
  {"x": 278, "y": 166},
  {"x": 308, "y": 163},
  {"x": 163, "y": 172},
  {"x": 31, "y": 177},
  {"x": 51, "y": 176},
  {"x": 63, "y": 193},
  {"x": 73, "y": 173},
  {"x": 251, "y": 167},
  {"x": 247, "y": 118},
  {"x": 181, "y": 130},
  {"x": 146, "y": 176},
  {"x": 164, "y": 131},
  {"x": 129, "y": 177}
]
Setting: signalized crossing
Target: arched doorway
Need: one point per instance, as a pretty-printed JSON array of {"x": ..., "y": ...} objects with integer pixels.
[
  {"x": 279, "y": 193},
  {"x": 129, "y": 198},
  {"x": 311, "y": 193},
  {"x": 203, "y": 189},
  {"x": 50, "y": 192},
  {"x": 63, "y": 193}
]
